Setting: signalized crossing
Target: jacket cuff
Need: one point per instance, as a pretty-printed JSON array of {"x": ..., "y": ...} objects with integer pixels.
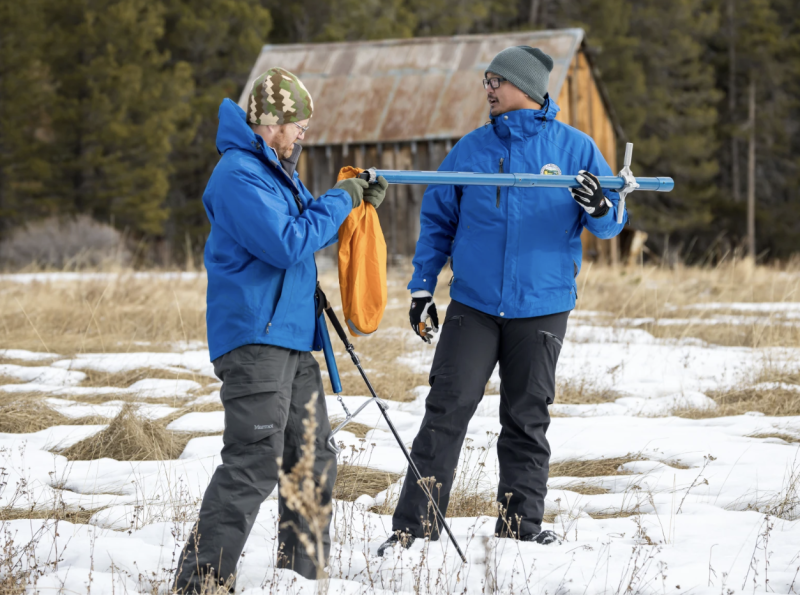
[
  {"x": 420, "y": 293},
  {"x": 425, "y": 283}
]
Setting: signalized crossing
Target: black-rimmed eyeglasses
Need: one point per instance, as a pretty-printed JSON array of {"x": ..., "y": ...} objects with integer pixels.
[{"x": 494, "y": 82}]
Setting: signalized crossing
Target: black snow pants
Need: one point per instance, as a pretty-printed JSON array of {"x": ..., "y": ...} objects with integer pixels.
[
  {"x": 471, "y": 344},
  {"x": 264, "y": 393}
]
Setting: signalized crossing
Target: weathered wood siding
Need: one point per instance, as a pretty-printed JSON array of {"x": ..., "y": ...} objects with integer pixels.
[{"x": 581, "y": 106}]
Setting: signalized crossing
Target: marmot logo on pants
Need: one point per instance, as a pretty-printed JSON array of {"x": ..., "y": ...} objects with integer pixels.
[{"x": 263, "y": 426}]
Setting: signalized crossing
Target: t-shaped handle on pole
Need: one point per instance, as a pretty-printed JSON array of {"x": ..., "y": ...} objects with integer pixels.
[{"x": 628, "y": 178}]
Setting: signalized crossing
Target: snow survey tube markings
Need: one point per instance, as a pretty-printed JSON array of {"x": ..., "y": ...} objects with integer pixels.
[{"x": 647, "y": 184}]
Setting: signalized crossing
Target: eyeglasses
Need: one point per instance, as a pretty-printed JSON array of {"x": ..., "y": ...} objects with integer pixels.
[
  {"x": 301, "y": 128},
  {"x": 494, "y": 82}
]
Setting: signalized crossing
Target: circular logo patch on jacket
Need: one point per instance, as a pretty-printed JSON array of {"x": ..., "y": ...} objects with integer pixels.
[{"x": 550, "y": 169}]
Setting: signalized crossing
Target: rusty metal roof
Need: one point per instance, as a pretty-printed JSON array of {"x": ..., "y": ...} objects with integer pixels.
[{"x": 403, "y": 90}]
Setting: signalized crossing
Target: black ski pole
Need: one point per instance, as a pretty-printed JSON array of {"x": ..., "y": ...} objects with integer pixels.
[{"x": 351, "y": 350}]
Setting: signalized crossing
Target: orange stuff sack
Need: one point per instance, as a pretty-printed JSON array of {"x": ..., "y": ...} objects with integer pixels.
[{"x": 362, "y": 266}]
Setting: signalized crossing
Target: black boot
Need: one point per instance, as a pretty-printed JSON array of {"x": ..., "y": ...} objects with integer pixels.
[
  {"x": 405, "y": 539},
  {"x": 544, "y": 538}
]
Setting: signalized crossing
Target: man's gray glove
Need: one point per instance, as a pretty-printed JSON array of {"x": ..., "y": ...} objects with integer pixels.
[
  {"x": 353, "y": 186},
  {"x": 590, "y": 195},
  {"x": 422, "y": 309},
  {"x": 376, "y": 192}
]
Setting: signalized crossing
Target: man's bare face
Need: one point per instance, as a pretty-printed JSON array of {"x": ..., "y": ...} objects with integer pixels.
[
  {"x": 285, "y": 137},
  {"x": 507, "y": 97}
]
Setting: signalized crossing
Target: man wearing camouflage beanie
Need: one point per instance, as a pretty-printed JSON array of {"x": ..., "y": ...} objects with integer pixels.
[
  {"x": 262, "y": 327},
  {"x": 515, "y": 254}
]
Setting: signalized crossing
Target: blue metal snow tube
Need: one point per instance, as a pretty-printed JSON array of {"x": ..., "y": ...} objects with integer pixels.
[{"x": 650, "y": 184}]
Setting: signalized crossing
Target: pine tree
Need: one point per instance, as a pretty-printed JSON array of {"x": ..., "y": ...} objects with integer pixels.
[
  {"x": 612, "y": 47},
  {"x": 677, "y": 137},
  {"x": 221, "y": 41},
  {"x": 116, "y": 110},
  {"x": 25, "y": 97},
  {"x": 757, "y": 47}
]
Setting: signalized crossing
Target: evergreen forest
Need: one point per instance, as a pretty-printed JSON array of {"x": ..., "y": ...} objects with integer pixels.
[{"x": 108, "y": 108}]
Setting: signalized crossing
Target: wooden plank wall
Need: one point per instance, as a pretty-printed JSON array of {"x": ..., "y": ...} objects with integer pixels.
[
  {"x": 399, "y": 214},
  {"x": 581, "y": 106}
]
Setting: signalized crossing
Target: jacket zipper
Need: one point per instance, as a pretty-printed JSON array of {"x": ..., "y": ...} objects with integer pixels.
[{"x": 498, "y": 187}]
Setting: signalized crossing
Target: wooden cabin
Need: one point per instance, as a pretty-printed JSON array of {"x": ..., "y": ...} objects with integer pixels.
[{"x": 402, "y": 104}]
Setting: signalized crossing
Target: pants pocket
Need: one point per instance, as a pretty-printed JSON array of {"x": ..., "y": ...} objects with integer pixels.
[
  {"x": 253, "y": 411},
  {"x": 542, "y": 380}
]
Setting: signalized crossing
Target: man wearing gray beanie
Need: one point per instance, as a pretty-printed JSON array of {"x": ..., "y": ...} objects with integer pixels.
[{"x": 515, "y": 254}]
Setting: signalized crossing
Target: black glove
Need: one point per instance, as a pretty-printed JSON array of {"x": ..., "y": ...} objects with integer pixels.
[
  {"x": 355, "y": 187},
  {"x": 590, "y": 195},
  {"x": 376, "y": 192},
  {"x": 421, "y": 310}
]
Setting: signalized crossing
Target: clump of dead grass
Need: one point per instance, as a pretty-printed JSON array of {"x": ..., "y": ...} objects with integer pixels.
[
  {"x": 738, "y": 401},
  {"x": 601, "y": 467},
  {"x": 584, "y": 488},
  {"x": 129, "y": 436},
  {"x": 582, "y": 391},
  {"x": 77, "y": 516},
  {"x": 124, "y": 379},
  {"x": 29, "y": 414},
  {"x": 357, "y": 429},
  {"x": 786, "y": 437},
  {"x": 353, "y": 481}
]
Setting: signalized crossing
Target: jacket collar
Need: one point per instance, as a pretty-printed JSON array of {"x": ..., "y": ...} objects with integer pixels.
[
  {"x": 235, "y": 133},
  {"x": 525, "y": 122}
]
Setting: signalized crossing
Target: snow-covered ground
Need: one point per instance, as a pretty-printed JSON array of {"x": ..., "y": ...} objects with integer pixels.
[{"x": 703, "y": 494}]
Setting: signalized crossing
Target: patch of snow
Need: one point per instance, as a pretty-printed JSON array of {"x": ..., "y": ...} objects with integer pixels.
[
  {"x": 205, "y": 421},
  {"x": 27, "y": 355},
  {"x": 42, "y": 375}
]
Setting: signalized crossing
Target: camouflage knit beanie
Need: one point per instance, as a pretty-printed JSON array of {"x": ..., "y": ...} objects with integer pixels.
[{"x": 279, "y": 97}]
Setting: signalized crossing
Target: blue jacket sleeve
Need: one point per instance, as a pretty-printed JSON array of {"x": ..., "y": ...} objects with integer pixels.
[
  {"x": 604, "y": 227},
  {"x": 438, "y": 222},
  {"x": 256, "y": 215}
]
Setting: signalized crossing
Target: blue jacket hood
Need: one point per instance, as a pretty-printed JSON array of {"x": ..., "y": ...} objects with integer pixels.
[
  {"x": 234, "y": 132},
  {"x": 265, "y": 229}
]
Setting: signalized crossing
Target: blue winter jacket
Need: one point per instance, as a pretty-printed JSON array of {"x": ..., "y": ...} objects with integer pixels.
[
  {"x": 515, "y": 251},
  {"x": 260, "y": 252}
]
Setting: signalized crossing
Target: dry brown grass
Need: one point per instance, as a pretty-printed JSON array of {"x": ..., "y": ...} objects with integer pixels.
[
  {"x": 131, "y": 437},
  {"x": 773, "y": 403},
  {"x": 7, "y": 379},
  {"x": 656, "y": 293},
  {"x": 79, "y": 516},
  {"x": 353, "y": 481},
  {"x": 358, "y": 429},
  {"x": 583, "y": 392},
  {"x": 601, "y": 467},
  {"x": 124, "y": 379},
  {"x": 786, "y": 437},
  {"x": 584, "y": 488},
  {"x": 105, "y": 315},
  {"x": 613, "y": 514},
  {"x": 28, "y": 414}
]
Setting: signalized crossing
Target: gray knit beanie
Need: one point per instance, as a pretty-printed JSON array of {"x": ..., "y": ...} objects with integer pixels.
[{"x": 527, "y": 68}]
